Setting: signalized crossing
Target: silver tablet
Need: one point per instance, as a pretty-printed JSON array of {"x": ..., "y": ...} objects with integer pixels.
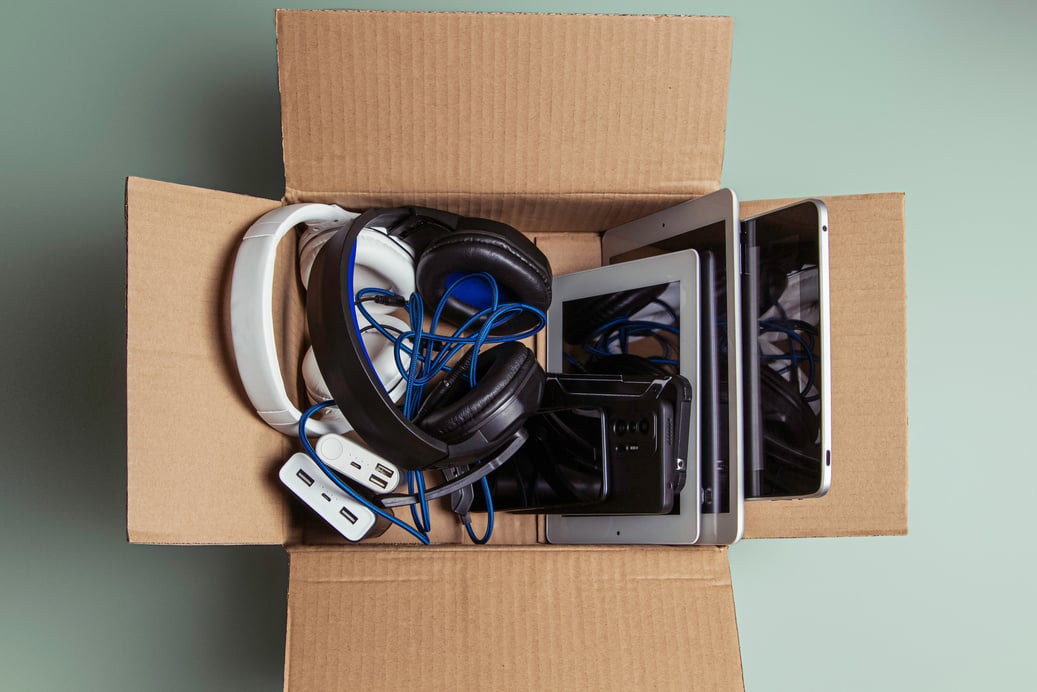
[
  {"x": 787, "y": 306},
  {"x": 646, "y": 311},
  {"x": 710, "y": 225}
]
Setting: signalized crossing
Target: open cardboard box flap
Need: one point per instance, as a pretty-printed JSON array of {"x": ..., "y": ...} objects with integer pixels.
[
  {"x": 514, "y": 618},
  {"x": 508, "y": 116},
  {"x": 200, "y": 464},
  {"x": 516, "y": 117},
  {"x": 869, "y": 379}
]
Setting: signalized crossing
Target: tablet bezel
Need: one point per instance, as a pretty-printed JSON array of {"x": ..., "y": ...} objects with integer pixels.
[
  {"x": 824, "y": 337},
  {"x": 667, "y": 529}
]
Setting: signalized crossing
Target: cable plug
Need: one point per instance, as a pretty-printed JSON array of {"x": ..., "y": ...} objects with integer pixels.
[
  {"x": 394, "y": 300},
  {"x": 461, "y": 500}
]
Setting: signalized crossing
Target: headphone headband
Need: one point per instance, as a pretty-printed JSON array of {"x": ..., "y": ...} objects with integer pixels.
[
  {"x": 337, "y": 342},
  {"x": 251, "y": 312},
  {"x": 340, "y": 351}
]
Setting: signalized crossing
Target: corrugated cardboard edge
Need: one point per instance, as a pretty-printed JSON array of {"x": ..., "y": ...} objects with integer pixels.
[
  {"x": 517, "y": 618},
  {"x": 438, "y": 108},
  {"x": 530, "y": 213},
  {"x": 869, "y": 379},
  {"x": 200, "y": 463}
]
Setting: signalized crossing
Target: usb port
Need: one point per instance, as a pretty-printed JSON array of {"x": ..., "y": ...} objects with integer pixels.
[
  {"x": 384, "y": 470},
  {"x": 304, "y": 477},
  {"x": 326, "y": 496},
  {"x": 355, "y": 465},
  {"x": 350, "y": 517},
  {"x": 379, "y": 481}
]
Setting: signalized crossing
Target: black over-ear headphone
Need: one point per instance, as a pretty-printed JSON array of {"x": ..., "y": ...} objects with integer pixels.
[{"x": 457, "y": 424}]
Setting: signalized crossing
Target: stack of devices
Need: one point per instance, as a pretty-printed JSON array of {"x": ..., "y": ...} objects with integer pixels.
[
  {"x": 687, "y": 374},
  {"x": 740, "y": 310}
]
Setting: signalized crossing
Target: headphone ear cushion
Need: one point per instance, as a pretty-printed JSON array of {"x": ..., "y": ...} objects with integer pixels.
[
  {"x": 382, "y": 262},
  {"x": 510, "y": 384},
  {"x": 317, "y": 391},
  {"x": 521, "y": 270},
  {"x": 589, "y": 314},
  {"x": 381, "y": 352},
  {"x": 310, "y": 243}
]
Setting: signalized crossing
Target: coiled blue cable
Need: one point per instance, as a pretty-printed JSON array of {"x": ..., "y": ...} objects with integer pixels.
[
  {"x": 489, "y": 517},
  {"x": 430, "y": 354}
]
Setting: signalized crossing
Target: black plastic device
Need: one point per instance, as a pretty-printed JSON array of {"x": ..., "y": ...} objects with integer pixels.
[
  {"x": 563, "y": 465},
  {"x": 632, "y": 431}
]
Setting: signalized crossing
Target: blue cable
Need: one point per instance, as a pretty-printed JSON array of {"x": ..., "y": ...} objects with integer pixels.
[
  {"x": 451, "y": 345},
  {"x": 491, "y": 282},
  {"x": 571, "y": 360},
  {"x": 648, "y": 324},
  {"x": 430, "y": 354},
  {"x": 421, "y": 519},
  {"x": 338, "y": 481},
  {"x": 622, "y": 335},
  {"x": 598, "y": 344},
  {"x": 668, "y": 308},
  {"x": 489, "y": 517},
  {"x": 777, "y": 326}
]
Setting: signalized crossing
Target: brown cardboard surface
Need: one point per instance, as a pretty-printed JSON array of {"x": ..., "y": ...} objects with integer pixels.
[
  {"x": 515, "y": 117},
  {"x": 457, "y": 109},
  {"x": 522, "y": 618},
  {"x": 509, "y": 529},
  {"x": 869, "y": 379},
  {"x": 200, "y": 463},
  {"x": 570, "y": 252}
]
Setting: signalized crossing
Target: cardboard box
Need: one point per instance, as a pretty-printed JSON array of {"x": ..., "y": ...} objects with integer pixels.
[{"x": 562, "y": 126}]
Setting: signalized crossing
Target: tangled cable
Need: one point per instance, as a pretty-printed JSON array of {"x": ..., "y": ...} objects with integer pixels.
[{"x": 430, "y": 355}]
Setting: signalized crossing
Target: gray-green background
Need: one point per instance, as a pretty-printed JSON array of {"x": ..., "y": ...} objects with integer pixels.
[{"x": 935, "y": 99}]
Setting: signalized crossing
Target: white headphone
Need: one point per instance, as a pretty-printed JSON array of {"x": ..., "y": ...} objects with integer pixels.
[{"x": 380, "y": 262}]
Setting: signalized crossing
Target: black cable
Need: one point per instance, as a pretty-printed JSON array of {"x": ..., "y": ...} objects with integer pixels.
[{"x": 463, "y": 481}]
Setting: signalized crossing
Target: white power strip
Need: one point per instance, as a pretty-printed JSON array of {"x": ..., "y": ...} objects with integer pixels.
[
  {"x": 358, "y": 463},
  {"x": 311, "y": 485}
]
